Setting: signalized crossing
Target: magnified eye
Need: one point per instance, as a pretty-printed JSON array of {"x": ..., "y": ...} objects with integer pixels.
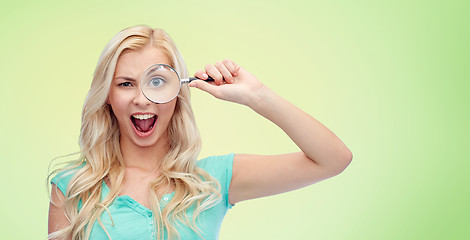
[{"x": 156, "y": 82}]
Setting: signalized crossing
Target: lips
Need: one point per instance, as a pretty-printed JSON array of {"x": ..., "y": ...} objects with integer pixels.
[{"x": 144, "y": 122}]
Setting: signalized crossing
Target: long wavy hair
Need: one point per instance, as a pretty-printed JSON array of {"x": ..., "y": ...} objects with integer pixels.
[{"x": 100, "y": 153}]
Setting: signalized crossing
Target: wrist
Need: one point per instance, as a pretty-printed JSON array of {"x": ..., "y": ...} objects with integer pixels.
[{"x": 260, "y": 98}]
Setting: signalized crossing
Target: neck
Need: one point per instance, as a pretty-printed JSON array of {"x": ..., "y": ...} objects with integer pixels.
[{"x": 144, "y": 158}]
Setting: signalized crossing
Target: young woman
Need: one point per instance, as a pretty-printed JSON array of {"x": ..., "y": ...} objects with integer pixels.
[{"x": 137, "y": 176}]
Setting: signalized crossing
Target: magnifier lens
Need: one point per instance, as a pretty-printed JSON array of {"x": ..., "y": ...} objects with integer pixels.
[{"x": 160, "y": 83}]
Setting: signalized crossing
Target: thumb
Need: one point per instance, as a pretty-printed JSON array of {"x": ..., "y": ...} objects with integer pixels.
[{"x": 205, "y": 86}]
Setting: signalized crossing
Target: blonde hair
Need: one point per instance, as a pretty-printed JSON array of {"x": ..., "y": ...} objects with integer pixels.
[{"x": 100, "y": 156}]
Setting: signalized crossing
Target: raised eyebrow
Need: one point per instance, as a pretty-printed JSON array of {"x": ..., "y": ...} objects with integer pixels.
[{"x": 158, "y": 68}]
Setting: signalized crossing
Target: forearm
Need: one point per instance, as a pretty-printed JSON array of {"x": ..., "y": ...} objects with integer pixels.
[{"x": 315, "y": 140}]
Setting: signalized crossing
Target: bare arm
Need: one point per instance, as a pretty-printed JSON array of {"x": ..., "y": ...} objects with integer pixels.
[
  {"x": 57, "y": 218},
  {"x": 322, "y": 155}
]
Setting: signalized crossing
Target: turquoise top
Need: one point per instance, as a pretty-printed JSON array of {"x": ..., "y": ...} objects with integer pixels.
[{"x": 134, "y": 221}]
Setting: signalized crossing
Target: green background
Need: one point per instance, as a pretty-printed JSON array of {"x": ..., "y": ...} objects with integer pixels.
[{"x": 390, "y": 78}]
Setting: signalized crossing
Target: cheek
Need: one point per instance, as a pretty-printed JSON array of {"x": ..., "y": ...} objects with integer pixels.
[
  {"x": 167, "y": 110},
  {"x": 118, "y": 104}
]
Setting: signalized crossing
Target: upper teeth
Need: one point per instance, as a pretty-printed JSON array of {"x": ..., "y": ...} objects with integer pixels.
[{"x": 143, "y": 116}]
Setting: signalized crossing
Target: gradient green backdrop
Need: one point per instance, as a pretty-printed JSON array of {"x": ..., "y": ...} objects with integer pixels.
[{"x": 391, "y": 79}]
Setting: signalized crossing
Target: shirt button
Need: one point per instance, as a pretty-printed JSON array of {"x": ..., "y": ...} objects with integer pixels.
[
  {"x": 165, "y": 199},
  {"x": 153, "y": 234},
  {"x": 150, "y": 214},
  {"x": 151, "y": 222}
]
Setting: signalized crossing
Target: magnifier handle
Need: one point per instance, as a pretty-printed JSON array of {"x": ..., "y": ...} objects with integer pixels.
[{"x": 209, "y": 79}]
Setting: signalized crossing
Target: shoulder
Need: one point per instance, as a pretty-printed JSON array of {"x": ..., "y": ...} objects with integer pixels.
[
  {"x": 65, "y": 175},
  {"x": 216, "y": 165},
  {"x": 219, "y": 167}
]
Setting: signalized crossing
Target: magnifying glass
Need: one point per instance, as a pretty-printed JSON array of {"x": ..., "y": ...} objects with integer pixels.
[{"x": 161, "y": 83}]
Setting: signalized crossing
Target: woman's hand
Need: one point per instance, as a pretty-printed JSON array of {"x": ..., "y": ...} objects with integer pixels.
[{"x": 231, "y": 83}]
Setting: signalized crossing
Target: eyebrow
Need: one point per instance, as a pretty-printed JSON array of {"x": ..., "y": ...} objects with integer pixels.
[
  {"x": 125, "y": 78},
  {"x": 161, "y": 65}
]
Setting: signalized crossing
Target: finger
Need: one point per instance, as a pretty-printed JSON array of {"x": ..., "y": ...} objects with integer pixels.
[
  {"x": 227, "y": 75},
  {"x": 231, "y": 66},
  {"x": 212, "y": 71},
  {"x": 205, "y": 86},
  {"x": 201, "y": 74}
]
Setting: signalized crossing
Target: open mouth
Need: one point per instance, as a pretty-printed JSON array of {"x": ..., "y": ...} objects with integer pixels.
[{"x": 144, "y": 122}]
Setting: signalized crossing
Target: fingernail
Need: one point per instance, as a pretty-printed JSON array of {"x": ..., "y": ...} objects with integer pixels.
[
  {"x": 204, "y": 75},
  {"x": 192, "y": 84}
]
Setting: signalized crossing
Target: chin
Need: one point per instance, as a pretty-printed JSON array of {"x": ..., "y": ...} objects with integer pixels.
[{"x": 157, "y": 138}]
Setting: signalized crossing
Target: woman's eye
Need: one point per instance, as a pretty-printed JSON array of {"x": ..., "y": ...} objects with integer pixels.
[
  {"x": 125, "y": 84},
  {"x": 156, "y": 82}
]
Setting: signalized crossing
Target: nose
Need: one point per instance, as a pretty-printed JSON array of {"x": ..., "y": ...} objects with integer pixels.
[{"x": 139, "y": 98}]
